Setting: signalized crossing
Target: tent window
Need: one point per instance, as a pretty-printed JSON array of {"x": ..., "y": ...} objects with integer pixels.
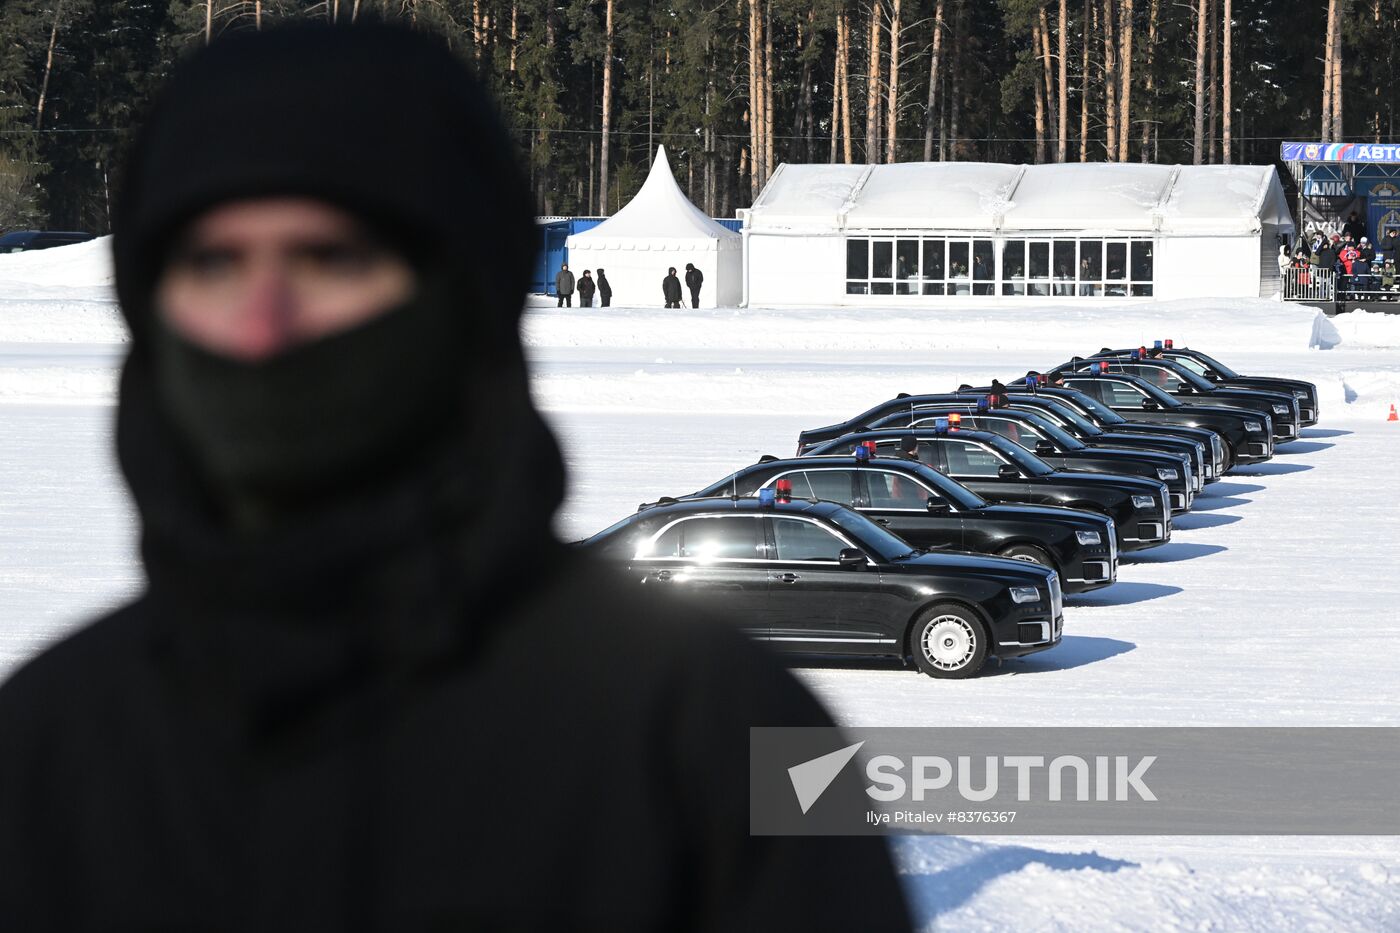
[
  {"x": 906, "y": 267},
  {"x": 857, "y": 266},
  {"x": 881, "y": 253}
]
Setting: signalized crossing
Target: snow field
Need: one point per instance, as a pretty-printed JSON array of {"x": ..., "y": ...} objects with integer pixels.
[{"x": 1278, "y": 601}]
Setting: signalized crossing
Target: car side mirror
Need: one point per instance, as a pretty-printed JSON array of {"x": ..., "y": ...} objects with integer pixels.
[
  {"x": 935, "y": 504},
  {"x": 1007, "y": 471},
  {"x": 1044, "y": 448},
  {"x": 1149, "y": 405},
  {"x": 852, "y": 558}
]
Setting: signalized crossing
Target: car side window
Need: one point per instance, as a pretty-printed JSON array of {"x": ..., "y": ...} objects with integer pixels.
[
  {"x": 1121, "y": 395},
  {"x": 736, "y": 537},
  {"x": 895, "y": 491},
  {"x": 1013, "y": 431},
  {"x": 1089, "y": 387},
  {"x": 802, "y": 540},
  {"x": 834, "y": 485},
  {"x": 968, "y": 459}
]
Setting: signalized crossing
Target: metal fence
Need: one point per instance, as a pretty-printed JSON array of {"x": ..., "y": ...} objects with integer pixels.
[{"x": 1309, "y": 283}]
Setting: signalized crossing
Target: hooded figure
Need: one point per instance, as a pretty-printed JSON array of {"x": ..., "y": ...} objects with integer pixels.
[
  {"x": 671, "y": 288},
  {"x": 365, "y": 688},
  {"x": 604, "y": 289},
  {"x": 694, "y": 278}
]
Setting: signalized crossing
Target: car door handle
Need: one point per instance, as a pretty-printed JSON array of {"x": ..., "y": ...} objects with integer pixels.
[
  {"x": 662, "y": 575},
  {"x": 788, "y": 577}
]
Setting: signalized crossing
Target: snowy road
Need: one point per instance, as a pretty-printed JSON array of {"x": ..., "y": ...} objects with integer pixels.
[{"x": 1277, "y": 603}]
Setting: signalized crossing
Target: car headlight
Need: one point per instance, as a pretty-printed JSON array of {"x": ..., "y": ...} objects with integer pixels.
[
  {"x": 1167, "y": 473},
  {"x": 1025, "y": 594},
  {"x": 1253, "y": 427},
  {"x": 1088, "y": 537},
  {"x": 1281, "y": 409},
  {"x": 1144, "y": 502}
]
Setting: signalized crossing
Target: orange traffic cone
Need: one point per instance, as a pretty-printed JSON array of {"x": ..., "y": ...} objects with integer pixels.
[{"x": 1392, "y": 416}]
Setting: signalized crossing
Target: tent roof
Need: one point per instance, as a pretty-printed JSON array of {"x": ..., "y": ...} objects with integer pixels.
[
  {"x": 658, "y": 212},
  {"x": 1111, "y": 197}
]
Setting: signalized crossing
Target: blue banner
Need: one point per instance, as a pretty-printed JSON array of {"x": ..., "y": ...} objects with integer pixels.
[{"x": 1372, "y": 153}]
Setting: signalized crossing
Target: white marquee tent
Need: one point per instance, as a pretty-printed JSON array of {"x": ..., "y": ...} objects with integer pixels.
[
  {"x": 657, "y": 229},
  {"x": 921, "y": 232}
]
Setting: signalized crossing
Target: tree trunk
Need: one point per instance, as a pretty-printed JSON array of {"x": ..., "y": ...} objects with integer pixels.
[
  {"x": 1198, "y": 140},
  {"x": 209, "y": 20},
  {"x": 1213, "y": 85},
  {"x": 354, "y": 15},
  {"x": 848, "y": 144},
  {"x": 1110, "y": 82},
  {"x": 607, "y": 107},
  {"x": 1038, "y": 95},
  {"x": 1226, "y": 127},
  {"x": 755, "y": 96},
  {"x": 1337, "y": 84},
  {"x": 837, "y": 82},
  {"x": 1149, "y": 125},
  {"x": 872, "y": 88},
  {"x": 1047, "y": 65},
  {"x": 48, "y": 68},
  {"x": 804, "y": 119},
  {"x": 1062, "y": 131},
  {"x": 955, "y": 88},
  {"x": 1125, "y": 93},
  {"x": 769, "y": 149},
  {"x": 933, "y": 80},
  {"x": 515, "y": 33},
  {"x": 1084, "y": 89},
  {"x": 892, "y": 99}
]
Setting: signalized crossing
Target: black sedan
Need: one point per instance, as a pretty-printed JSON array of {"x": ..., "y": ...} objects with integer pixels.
[
  {"x": 1305, "y": 392},
  {"x": 1057, "y": 447},
  {"x": 1247, "y": 435},
  {"x": 933, "y": 512},
  {"x": 1281, "y": 407},
  {"x": 1001, "y": 471},
  {"x": 817, "y": 577},
  {"x": 1099, "y": 414}
]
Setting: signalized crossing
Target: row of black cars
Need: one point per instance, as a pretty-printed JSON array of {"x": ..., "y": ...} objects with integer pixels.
[{"x": 944, "y": 529}]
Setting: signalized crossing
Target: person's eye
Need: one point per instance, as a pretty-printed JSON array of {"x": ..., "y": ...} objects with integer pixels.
[{"x": 205, "y": 262}]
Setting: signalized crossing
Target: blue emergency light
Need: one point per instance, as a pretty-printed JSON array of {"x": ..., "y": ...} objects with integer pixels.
[
  {"x": 767, "y": 496},
  {"x": 940, "y": 425},
  {"x": 1156, "y": 344},
  {"x": 1137, "y": 354},
  {"x": 983, "y": 403},
  {"x": 862, "y": 453}
]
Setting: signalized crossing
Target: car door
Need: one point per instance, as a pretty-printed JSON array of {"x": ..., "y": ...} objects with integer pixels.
[
  {"x": 819, "y": 606},
  {"x": 900, "y": 503},
  {"x": 718, "y": 563},
  {"x": 976, "y": 467}
]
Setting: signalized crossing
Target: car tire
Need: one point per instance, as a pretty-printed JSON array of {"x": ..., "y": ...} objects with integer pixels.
[
  {"x": 948, "y": 642},
  {"x": 1028, "y": 553}
]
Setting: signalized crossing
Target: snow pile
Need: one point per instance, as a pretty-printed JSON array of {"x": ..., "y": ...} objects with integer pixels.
[
  {"x": 37, "y": 273},
  {"x": 1368, "y": 329}
]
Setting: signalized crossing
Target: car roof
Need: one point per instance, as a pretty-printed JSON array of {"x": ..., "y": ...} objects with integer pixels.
[{"x": 744, "y": 505}]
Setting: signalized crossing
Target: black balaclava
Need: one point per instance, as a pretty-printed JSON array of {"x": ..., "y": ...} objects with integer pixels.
[{"x": 387, "y": 125}]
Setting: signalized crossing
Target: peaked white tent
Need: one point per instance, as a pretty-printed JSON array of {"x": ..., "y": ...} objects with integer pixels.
[{"x": 657, "y": 229}]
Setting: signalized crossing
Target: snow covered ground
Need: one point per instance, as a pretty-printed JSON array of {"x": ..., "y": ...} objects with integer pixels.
[{"x": 1277, "y": 602}]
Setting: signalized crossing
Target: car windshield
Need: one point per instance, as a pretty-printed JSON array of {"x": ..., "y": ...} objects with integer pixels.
[
  {"x": 1160, "y": 396},
  {"x": 883, "y": 544},
  {"x": 1063, "y": 413},
  {"x": 1096, "y": 409},
  {"x": 1197, "y": 381},
  {"x": 1061, "y": 437},
  {"x": 1216, "y": 365},
  {"x": 950, "y": 489},
  {"x": 1023, "y": 458}
]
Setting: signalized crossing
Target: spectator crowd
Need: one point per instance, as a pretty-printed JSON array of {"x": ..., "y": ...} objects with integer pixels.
[{"x": 1357, "y": 263}]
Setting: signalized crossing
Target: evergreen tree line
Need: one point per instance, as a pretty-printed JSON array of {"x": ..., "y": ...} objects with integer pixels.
[{"x": 733, "y": 88}]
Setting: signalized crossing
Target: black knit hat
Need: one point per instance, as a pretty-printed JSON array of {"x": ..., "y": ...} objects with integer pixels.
[{"x": 377, "y": 119}]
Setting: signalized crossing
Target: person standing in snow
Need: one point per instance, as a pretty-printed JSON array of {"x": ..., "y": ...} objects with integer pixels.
[
  {"x": 694, "y": 278},
  {"x": 604, "y": 290},
  {"x": 586, "y": 288},
  {"x": 564, "y": 286},
  {"x": 365, "y": 687},
  {"x": 671, "y": 288}
]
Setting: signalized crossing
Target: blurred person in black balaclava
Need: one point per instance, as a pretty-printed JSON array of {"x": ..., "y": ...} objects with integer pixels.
[{"x": 365, "y": 687}]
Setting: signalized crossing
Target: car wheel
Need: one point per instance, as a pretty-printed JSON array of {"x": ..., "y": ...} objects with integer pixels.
[
  {"x": 1028, "y": 553},
  {"x": 948, "y": 642}
]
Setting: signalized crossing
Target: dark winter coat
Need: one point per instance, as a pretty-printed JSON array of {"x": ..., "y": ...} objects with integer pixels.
[
  {"x": 411, "y": 708},
  {"x": 671, "y": 288},
  {"x": 694, "y": 278},
  {"x": 1367, "y": 253},
  {"x": 564, "y": 282},
  {"x": 1355, "y": 228},
  {"x": 1390, "y": 248},
  {"x": 586, "y": 287},
  {"x": 604, "y": 289},
  {"x": 1327, "y": 257}
]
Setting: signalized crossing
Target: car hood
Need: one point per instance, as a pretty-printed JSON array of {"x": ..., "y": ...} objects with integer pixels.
[
  {"x": 1015, "y": 572},
  {"x": 1134, "y": 484},
  {"x": 1040, "y": 513}
]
